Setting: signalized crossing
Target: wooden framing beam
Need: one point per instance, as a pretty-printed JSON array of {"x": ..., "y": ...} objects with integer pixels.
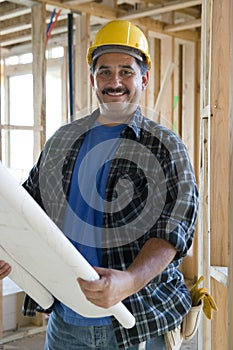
[
  {"x": 76, "y": 2},
  {"x": 190, "y": 11},
  {"x": 25, "y": 35},
  {"x": 27, "y": 3},
  {"x": 1, "y": 310},
  {"x": 204, "y": 334},
  {"x": 20, "y": 127},
  {"x": 196, "y": 23},
  {"x": 230, "y": 192},
  {"x": 219, "y": 102},
  {"x": 158, "y": 10},
  {"x": 93, "y": 9},
  {"x": 110, "y": 13},
  {"x": 10, "y": 10},
  {"x": 20, "y": 23},
  {"x": 158, "y": 27},
  {"x": 15, "y": 24},
  {"x": 82, "y": 82},
  {"x": 54, "y": 41},
  {"x": 13, "y": 38},
  {"x": 39, "y": 74},
  {"x": 15, "y": 30},
  {"x": 153, "y": 88},
  {"x": 216, "y": 195}
]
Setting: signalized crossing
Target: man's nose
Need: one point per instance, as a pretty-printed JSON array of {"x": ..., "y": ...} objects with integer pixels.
[{"x": 115, "y": 80}]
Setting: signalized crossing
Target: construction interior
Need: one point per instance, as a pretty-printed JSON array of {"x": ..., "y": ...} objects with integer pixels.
[{"x": 45, "y": 83}]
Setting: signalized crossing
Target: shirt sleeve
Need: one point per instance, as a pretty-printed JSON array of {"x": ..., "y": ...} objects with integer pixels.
[
  {"x": 32, "y": 185},
  {"x": 176, "y": 223}
]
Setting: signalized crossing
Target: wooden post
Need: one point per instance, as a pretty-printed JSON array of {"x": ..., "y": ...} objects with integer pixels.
[
  {"x": 219, "y": 162},
  {"x": 204, "y": 334},
  {"x": 230, "y": 189},
  {"x": 216, "y": 193},
  {"x": 64, "y": 75},
  {"x": 161, "y": 98},
  {"x": 150, "y": 97},
  {"x": 1, "y": 89},
  {"x": 166, "y": 108},
  {"x": 1, "y": 313},
  {"x": 219, "y": 132},
  {"x": 82, "y": 80},
  {"x": 39, "y": 72},
  {"x": 188, "y": 116}
]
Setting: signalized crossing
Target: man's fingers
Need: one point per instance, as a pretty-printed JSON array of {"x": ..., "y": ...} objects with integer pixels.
[
  {"x": 5, "y": 269},
  {"x": 95, "y": 286}
]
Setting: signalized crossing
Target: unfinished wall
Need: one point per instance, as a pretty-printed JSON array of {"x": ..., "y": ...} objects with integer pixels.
[{"x": 215, "y": 185}]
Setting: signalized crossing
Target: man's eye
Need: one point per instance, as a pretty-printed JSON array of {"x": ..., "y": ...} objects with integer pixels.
[
  {"x": 105, "y": 73},
  {"x": 126, "y": 73}
]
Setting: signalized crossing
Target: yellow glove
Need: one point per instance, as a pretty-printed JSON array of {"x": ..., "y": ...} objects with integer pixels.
[{"x": 198, "y": 294}]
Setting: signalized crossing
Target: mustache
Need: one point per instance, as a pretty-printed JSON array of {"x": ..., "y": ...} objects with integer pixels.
[{"x": 117, "y": 90}]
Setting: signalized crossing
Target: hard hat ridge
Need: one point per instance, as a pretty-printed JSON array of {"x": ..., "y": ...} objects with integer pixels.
[{"x": 117, "y": 48}]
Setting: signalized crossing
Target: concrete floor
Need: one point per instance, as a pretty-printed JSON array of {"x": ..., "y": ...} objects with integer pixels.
[
  {"x": 33, "y": 342},
  {"x": 36, "y": 342}
]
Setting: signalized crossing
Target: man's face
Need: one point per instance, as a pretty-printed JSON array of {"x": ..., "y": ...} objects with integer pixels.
[{"x": 118, "y": 83}]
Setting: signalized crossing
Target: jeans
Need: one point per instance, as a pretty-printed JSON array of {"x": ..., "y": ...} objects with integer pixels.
[{"x": 63, "y": 336}]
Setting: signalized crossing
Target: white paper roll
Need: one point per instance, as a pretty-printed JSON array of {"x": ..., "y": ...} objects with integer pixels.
[{"x": 39, "y": 249}]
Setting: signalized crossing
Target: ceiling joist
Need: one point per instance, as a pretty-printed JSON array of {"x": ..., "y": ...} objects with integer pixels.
[
  {"x": 158, "y": 10},
  {"x": 181, "y": 19}
]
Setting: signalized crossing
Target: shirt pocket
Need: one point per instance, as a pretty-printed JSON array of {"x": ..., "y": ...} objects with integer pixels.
[{"x": 127, "y": 194}]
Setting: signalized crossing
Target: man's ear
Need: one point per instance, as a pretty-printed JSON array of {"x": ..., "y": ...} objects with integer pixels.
[
  {"x": 92, "y": 79},
  {"x": 145, "y": 80}
]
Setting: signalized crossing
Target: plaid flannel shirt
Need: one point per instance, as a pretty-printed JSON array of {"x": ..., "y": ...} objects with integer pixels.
[{"x": 145, "y": 147}]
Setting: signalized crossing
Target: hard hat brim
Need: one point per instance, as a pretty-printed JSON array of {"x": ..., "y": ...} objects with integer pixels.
[{"x": 116, "y": 49}]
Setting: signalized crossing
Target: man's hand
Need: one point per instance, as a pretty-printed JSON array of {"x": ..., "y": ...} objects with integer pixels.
[
  {"x": 5, "y": 269},
  {"x": 112, "y": 287}
]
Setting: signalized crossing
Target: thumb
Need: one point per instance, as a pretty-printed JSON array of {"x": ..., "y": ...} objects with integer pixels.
[{"x": 101, "y": 270}]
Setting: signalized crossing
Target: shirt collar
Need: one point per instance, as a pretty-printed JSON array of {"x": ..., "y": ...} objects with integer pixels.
[{"x": 135, "y": 123}]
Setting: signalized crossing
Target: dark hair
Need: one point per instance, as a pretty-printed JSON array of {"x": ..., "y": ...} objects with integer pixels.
[{"x": 142, "y": 65}]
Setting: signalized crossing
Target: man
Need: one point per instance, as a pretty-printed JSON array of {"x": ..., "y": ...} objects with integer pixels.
[{"x": 122, "y": 189}]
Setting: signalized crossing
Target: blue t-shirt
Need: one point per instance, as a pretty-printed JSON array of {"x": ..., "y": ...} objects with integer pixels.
[{"x": 84, "y": 214}]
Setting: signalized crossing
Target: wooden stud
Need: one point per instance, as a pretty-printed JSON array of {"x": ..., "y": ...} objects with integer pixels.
[
  {"x": 64, "y": 75},
  {"x": 39, "y": 69},
  {"x": 1, "y": 313},
  {"x": 187, "y": 128},
  {"x": 220, "y": 72},
  {"x": 152, "y": 90},
  {"x": 219, "y": 321},
  {"x": 166, "y": 106},
  {"x": 82, "y": 80},
  {"x": 204, "y": 334},
  {"x": 217, "y": 211},
  {"x": 158, "y": 10},
  {"x": 230, "y": 192},
  {"x": 1, "y": 84},
  {"x": 162, "y": 95}
]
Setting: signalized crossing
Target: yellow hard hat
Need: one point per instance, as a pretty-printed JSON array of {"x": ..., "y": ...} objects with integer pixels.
[{"x": 120, "y": 34}]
